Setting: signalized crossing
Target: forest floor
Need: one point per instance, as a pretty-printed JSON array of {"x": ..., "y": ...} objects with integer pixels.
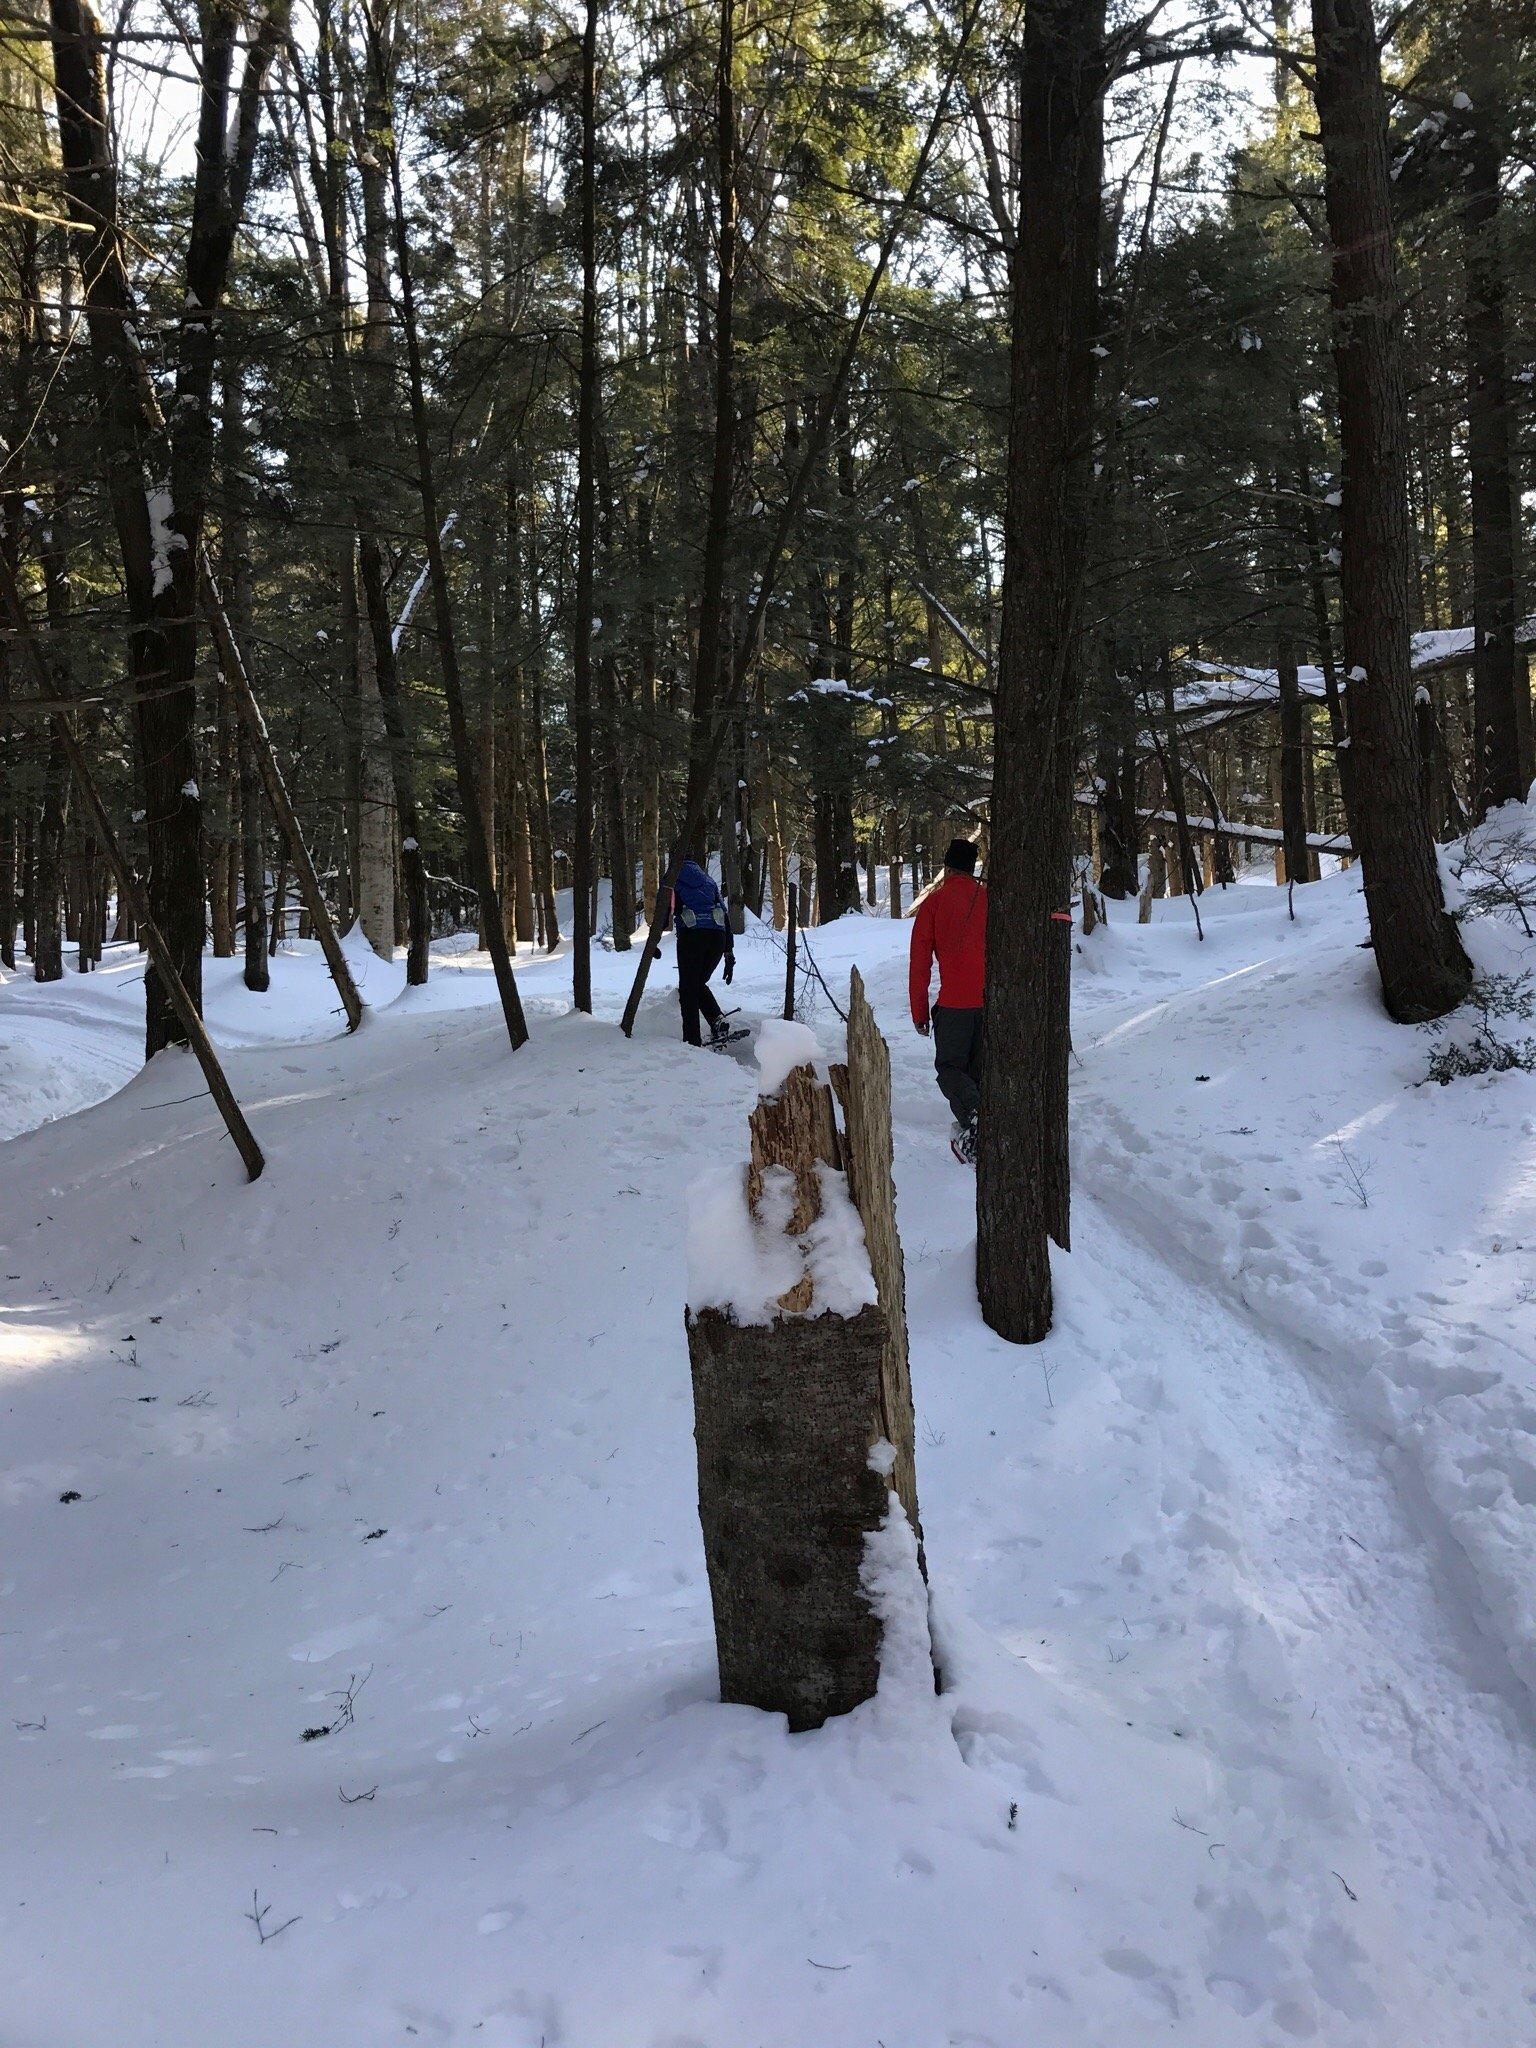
[{"x": 1231, "y": 1577}]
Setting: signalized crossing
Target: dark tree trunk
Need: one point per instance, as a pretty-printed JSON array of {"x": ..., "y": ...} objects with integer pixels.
[
  {"x": 476, "y": 822},
  {"x": 361, "y": 476},
  {"x": 709, "y": 640},
  {"x": 582, "y": 878},
  {"x": 621, "y": 867},
  {"x": 1499, "y": 668},
  {"x": 1119, "y": 827},
  {"x": 1293, "y": 765},
  {"x": 258, "y": 975},
  {"x": 1173, "y": 777},
  {"x": 1424, "y": 972},
  {"x": 222, "y": 824},
  {"x": 1022, "y": 1195},
  {"x": 8, "y": 810},
  {"x": 48, "y": 872},
  {"x": 53, "y": 820},
  {"x": 158, "y": 568},
  {"x": 158, "y": 477}
]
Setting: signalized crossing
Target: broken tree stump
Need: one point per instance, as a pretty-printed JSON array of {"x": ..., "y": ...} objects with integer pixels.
[
  {"x": 798, "y": 1387},
  {"x": 864, "y": 1088}
]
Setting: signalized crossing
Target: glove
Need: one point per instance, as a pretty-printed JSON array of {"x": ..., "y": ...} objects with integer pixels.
[{"x": 730, "y": 968}]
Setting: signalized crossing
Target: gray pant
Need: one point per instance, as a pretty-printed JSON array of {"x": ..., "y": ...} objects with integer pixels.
[{"x": 957, "y": 1056}]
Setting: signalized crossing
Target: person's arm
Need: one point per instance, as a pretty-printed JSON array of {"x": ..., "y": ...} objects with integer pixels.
[{"x": 920, "y": 965}]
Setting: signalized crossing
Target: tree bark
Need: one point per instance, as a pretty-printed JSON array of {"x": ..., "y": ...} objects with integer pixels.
[
  {"x": 1293, "y": 765},
  {"x": 1022, "y": 1177},
  {"x": 1424, "y": 972},
  {"x": 709, "y": 638},
  {"x": 1501, "y": 750},
  {"x": 582, "y": 878}
]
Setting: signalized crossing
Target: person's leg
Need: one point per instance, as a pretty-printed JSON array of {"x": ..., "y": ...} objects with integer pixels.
[
  {"x": 690, "y": 981},
  {"x": 978, "y": 1038},
  {"x": 954, "y": 1042},
  {"x": 712, "y": 952}
]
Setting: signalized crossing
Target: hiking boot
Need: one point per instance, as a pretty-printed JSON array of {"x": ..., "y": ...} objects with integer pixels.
[{"x": 963, "y": 1143}]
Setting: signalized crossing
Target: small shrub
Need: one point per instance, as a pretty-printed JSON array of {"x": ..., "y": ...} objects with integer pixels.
[
  {"x": 1495, "y": 866},
  {"x": 1494, "y": 1001}
]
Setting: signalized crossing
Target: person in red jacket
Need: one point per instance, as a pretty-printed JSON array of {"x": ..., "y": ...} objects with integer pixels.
[{"x": 951, "y": 923}]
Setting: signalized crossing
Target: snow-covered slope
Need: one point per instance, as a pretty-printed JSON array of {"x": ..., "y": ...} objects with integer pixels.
[{"x": 396, "y": 1443}]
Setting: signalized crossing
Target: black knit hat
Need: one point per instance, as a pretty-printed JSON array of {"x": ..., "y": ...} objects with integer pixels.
[{"x": 961, "y": 856}]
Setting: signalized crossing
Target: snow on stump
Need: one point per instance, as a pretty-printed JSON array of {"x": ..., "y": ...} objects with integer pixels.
[{"x": 790, "y": 1345}]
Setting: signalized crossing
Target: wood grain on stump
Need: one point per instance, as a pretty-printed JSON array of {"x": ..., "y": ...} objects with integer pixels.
[{"x": 786, "y": 1412}]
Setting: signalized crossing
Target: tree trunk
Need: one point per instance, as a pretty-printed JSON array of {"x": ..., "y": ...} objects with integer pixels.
[
  {"x": 1022, "y": 1177},
  {"x": 157, "y": 549},
  {"x": 1293, "y": 765},
  {"x": 1119, "y": 827},
  {"x": 377, "y": 834},
  {"x": 471, "y": 804},
  {"x": 787, "y": 1413},
  {"x": 650, "y": 739},
  {"x": 222, "y": 823},
  {"x": 373, "y": 370},
  {"x": 582, "y": 878},
  {"x": 543, "y": 841},
  {"x": 48, "y": 873},
  {"x": 8, "y": 814},
  {"x": 709, "y": 638},
  {"x": 1501, "y": 750},
  {"x": 1424, "y": 972}
]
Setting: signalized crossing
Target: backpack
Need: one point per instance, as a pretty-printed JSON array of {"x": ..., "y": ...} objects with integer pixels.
[{"x": 698, "y": 902}]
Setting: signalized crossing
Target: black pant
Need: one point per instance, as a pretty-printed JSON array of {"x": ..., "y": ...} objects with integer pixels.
[
  {"x": 957, "y": 1057},
  {"x": 699, "y": 953}
]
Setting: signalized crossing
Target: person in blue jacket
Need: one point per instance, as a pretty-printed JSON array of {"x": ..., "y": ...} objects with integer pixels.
[{"x": 704, "y": 939}]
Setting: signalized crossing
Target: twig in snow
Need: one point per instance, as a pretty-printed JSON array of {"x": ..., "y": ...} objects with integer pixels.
[
  {"x": 1348, "y": 1892},
  {"x": 264, "y": 1528},
  {"x": 258, "y": 1919},
  {"x": 827, "y": 1966},
  {"x": 346, "y": 1713},
  {"x": 1187, "y": 1825},
  {"x": 355, "y": 1798},
  {"x": 1353, "y": 1175}
]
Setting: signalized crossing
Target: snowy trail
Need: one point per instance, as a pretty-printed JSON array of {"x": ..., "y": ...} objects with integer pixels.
[
  {"x": 413, "y": 1410},
  {"x": 1379, "y": 1619}
]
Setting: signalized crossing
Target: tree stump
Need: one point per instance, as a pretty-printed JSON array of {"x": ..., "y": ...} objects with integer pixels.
[{"x": 794, "y": 1414}]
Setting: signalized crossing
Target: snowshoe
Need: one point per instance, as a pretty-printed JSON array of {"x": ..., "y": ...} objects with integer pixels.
[{"x": 963, "y": 1143}]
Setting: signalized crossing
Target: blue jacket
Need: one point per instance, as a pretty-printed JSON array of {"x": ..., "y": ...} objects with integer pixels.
[{"x": 697, "y": 903}]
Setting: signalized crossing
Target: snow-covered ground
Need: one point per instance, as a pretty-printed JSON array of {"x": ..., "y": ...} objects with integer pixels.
[{"x": 1231, "y": 1577}]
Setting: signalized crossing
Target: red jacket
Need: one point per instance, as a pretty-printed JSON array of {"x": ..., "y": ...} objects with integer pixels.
[{"x": 952, "y": 923}]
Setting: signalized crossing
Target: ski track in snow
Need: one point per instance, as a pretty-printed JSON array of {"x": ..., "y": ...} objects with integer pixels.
[{"x": 1238, "y": 1746}]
